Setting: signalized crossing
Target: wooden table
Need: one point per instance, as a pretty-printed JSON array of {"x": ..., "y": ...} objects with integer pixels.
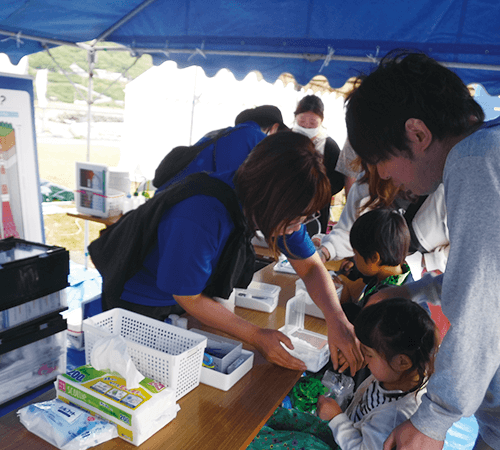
[
  {"x": 209, "y": 418},
  {"x": 104, "y": 220}
]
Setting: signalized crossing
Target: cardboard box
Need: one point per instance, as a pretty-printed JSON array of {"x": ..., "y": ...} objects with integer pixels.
[{"x": 138, "y": 413}]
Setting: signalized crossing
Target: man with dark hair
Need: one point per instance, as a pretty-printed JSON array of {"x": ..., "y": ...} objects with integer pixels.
[{"x": 416, "y": 121}]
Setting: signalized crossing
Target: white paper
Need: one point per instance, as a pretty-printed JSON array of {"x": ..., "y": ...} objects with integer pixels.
[{"x": 111, "y": 353}]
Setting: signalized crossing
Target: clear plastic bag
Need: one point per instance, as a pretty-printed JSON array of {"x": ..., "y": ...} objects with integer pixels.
[
  {"x": 340, "y": 387},
  {"x": 66, "y": 426}
]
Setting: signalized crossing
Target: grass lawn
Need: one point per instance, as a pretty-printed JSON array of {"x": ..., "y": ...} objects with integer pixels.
[{"x": 56, "y": 162}]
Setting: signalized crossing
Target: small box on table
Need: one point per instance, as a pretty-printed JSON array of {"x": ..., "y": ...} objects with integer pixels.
[
  {"x": 232, "y": 363},
  {"x": 258, "y": 296}
]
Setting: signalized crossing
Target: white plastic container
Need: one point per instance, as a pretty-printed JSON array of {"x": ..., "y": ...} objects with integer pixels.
[
  {"x": 93, "y": 194},
  {"x": 258, "y": 296},
  {"x": 75, "y": 332},
  {"x": 310, "y": 347},
  {"x": 230, "y": 348},
  {"x": 160, "y": 351},
  {"x": 311, "y": 307},
  {"x": 225, "y": 381},
  {"x": 119, "y": 180}
]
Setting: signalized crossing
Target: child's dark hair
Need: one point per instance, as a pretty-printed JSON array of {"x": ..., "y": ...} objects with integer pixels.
[
  {"x": 400, "y": 326},
  {"x": 383, "y": 231}
]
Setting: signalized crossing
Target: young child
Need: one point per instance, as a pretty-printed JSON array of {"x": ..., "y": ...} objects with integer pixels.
[
  {"x": 380, "y": 240},
  {"x": 399, "y": 341}
]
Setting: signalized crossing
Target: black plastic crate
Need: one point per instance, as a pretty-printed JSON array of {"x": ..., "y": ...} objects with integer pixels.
[
  {"x": 30, "y": 270},
  {"x": 31, "y": 332}
]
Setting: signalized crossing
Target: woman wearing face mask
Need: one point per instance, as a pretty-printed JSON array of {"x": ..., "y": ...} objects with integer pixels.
[{"x": 308, "y": 121}]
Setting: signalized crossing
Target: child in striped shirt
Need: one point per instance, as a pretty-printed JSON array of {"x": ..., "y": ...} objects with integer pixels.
[{"x": 399, "y": 341}]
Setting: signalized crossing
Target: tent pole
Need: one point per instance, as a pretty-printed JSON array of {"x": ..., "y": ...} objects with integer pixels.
[
  {"x": 91, "y": 62},
  {"x": 193, "y": 105}
]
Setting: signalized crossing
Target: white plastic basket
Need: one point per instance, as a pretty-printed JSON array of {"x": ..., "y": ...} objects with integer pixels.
[{"x": 160, "y": 351}]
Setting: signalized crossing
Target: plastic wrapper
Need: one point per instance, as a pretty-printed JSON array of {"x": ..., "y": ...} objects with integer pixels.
[
  {"x": 66, "y": 426},
  {"x": 340, "y": 387}
]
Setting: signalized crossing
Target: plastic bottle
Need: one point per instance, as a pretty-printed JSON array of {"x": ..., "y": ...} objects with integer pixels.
[
  {"x": 136, "y": 200},
  {"x": 182, "y": 322},
  {"x": 173, "y": 318},
  {"x": 127, "y": 203}
]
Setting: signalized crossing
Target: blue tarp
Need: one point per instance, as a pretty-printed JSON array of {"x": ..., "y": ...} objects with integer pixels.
[{"x": 271, "y": 36}]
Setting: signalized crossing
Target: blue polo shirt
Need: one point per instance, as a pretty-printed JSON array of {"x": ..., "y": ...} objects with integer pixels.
[
  {"x": 191, "y": 238},
  {"x": 230, "y": 152}
]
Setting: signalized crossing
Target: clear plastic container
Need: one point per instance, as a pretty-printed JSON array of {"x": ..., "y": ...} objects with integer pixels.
[
  {"x": 26, "y": 368},
  {"x": 25, "y": 312},
  {"x": 310, "y": 347},
  {"x": 311, "y": 308}
]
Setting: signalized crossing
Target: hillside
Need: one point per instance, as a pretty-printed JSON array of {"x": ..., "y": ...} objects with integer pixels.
[{"x": 73, "y": 61}]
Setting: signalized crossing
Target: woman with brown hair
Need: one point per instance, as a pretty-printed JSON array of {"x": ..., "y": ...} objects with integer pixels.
[{"x": 191, "y": 243}]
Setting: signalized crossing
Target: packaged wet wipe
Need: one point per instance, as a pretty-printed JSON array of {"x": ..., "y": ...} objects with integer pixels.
[{"x": 66, "y": 426}]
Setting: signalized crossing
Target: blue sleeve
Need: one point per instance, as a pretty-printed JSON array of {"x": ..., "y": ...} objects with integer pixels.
[
  {"x": 299, "y": 244},
  {"x": 191, "y": 238}
]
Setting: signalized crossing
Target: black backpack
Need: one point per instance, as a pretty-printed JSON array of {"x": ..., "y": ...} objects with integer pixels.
[
  {"x": 119, "y": 252},
  {"x": 180, "y": 157}
]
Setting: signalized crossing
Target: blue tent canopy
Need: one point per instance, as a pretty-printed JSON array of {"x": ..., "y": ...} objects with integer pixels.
[{"x": 333, "y": 38}]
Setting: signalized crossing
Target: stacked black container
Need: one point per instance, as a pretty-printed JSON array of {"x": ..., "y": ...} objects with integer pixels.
[{"x": 32, "y": 330}]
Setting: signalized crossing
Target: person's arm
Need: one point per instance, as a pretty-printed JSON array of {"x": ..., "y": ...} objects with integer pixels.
[
  {"x": 436, "y": 260},
  {"x": 427, "y": 289},
  {"x": 407, "y": 436},
  {"x": 320, "y": 286},
  {"x": 189, "y": 251},
  {"x": 336, "y": 244},
  {"x": 369, "y": 434},
  {"x": 266, "y": 341}
]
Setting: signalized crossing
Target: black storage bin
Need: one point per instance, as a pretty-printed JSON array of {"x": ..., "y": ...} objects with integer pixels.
[
  {"x": 30, "y": 270},
  {"x": 33, "y": 331}
]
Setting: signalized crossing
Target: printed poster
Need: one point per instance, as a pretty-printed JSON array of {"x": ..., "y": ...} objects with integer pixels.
[{"x": 20, "y": 209}]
